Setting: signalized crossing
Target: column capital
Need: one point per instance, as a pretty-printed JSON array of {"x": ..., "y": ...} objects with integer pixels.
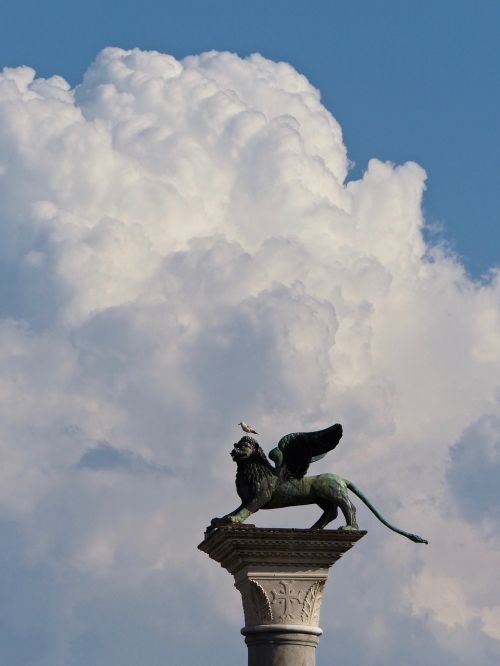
[{"x": 280, "y": 572}]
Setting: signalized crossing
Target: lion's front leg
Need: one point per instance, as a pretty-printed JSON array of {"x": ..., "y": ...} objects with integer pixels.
[
  {"x": 245, "y": 510},
  {"x": 236, "y": 516}
]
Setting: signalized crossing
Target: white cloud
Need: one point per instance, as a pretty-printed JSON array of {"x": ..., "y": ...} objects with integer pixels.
[{"x": 180, "y": 250}]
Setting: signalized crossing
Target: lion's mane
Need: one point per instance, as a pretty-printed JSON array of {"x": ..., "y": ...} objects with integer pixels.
[{"x": 252, "y": 471}]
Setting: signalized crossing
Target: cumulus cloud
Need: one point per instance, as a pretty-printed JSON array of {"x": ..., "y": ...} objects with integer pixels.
[{"x": 181, "y": 249}]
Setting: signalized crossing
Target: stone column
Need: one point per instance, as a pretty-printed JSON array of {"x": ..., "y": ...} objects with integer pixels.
[{"x": 281, "y": 574}]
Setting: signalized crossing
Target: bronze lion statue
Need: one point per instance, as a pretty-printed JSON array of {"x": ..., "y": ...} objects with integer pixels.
[{"x": 260, "y": 485}]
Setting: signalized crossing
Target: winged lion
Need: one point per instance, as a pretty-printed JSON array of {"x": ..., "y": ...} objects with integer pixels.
[{"x": 260, "y": 485}]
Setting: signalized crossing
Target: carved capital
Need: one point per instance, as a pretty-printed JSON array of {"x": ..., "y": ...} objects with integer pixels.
[{"x": 295, "y": 599}]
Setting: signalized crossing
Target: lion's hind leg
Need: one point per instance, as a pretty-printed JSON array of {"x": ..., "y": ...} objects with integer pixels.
[
  {"x": 349, "y": 511},
  {"x": 330, "y": 512}
]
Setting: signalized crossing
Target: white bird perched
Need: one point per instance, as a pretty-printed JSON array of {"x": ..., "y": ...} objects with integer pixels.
[{"x": 247, "y": 428}]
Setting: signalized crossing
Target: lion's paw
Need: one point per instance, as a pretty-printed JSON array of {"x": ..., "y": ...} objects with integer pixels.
[
  {"x": 225, "y": 520},
  {"x": 217, "y": 521}
]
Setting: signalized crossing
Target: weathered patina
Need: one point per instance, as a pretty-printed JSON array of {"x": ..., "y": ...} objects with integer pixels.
[{"x": 260, "y": 485}]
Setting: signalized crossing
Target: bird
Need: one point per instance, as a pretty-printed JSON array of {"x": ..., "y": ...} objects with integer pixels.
[{"x": 247, "y": 428}]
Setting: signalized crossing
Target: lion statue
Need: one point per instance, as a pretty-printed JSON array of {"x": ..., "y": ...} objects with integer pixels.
[{"x": 262, "y": 486}]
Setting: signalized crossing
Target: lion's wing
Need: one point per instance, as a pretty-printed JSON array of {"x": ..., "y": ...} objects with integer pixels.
[{"x": 296, "y": 451}]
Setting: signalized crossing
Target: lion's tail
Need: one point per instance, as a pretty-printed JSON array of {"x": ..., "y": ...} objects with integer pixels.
[{"x": 363, "y": 498}]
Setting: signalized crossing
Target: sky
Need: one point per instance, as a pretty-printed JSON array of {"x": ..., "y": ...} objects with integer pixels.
[
  {"x": 406, "y": 80},
  {"x": 270, "y": 212}
]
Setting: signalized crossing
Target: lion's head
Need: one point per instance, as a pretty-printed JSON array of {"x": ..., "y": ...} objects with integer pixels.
[
  {"x": 245, "y": 448},
  {"x": 253, "y": 466},
  {"x": 249, "y": 450}
]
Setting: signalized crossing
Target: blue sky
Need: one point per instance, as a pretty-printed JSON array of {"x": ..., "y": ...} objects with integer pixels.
[
  {"x": 406, "y": 80},
  {"x": 192, "y": 236}
]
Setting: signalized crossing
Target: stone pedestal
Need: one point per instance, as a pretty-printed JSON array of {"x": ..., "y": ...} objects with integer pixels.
[{"x": 281, "y": 574}]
